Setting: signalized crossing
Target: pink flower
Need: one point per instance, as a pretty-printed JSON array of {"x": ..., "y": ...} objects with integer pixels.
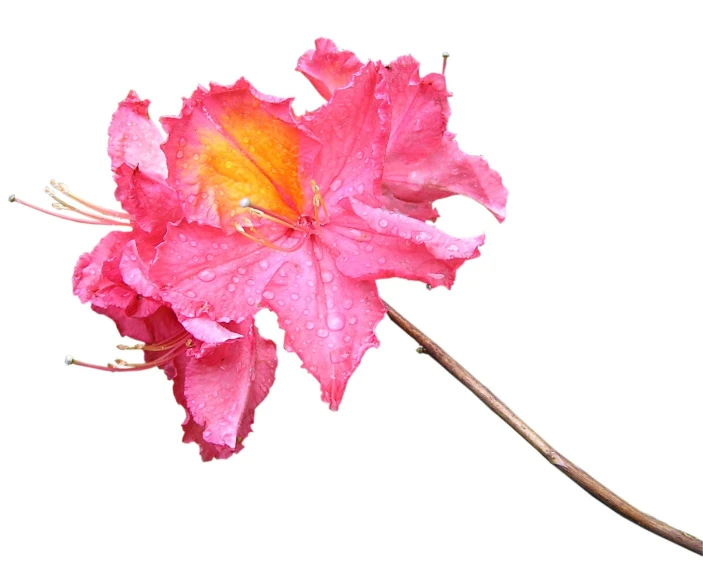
[
  {"x": 220, "y": 372},
  {"x": 290, "y": 214},
  {"x": 423, "y": 162},
  {"x": 248, "y": 206}
]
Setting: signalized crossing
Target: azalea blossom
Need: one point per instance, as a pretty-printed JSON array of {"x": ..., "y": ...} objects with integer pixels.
[
  {"x": 289, "y": 214},
  {"x": 246, "y": 205}
]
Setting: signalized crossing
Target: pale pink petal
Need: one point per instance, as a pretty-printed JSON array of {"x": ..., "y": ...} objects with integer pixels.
[
  {"x": 353, "y": 131},
  {"x": 375, "y": 243},
  {"x": 329, "y": 319},
  {"x": 208, "y": 331},
  {"x": 97, "y": 279},
  {"x": 233, "y": 143},
  {"x": 226, "y": 384},
  {"x": 133, "y": 138},
  {"x": 149, "y": 201},
  {"x": 327, "y": 67},
  {"x": 424, "y": 162},
  {"x": 200, "y": 270}
]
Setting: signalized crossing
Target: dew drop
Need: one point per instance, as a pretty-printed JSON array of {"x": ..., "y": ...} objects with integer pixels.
[
  {"x": 347, "y": 304},
  {"x": 326, "y": 276},
  {"x": 250, "y": 301},
  {"x": 268, "y": 295},
  {"x": 206, "y": 275},
  {"x": 190, "y": 294},
  {"x": 264, "y": 264},
  {"x": 322, "y": 333},
  {"x": 231, "y": 288},
  {"x": 242, "y": 270},
  {"x": 309, "y": 325},
  {"x": 335, "y": 185},
  {"x": 383, "y": 223},
  {"x": 336, "y": 321},
  {"x": 182, "y": 238}
]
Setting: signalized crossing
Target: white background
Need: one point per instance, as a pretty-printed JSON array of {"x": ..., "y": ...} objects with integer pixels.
[{"x": 583, "y": 314}]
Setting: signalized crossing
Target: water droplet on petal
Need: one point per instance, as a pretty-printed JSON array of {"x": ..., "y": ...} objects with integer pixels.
[
  {"x": 383, "y": 223},
  {"x": 231, "y": 288},
  {"x": 268, "y": 295},
  {"x": 347, "y": 304},
  {"x": 190, "y": 294},
  {"x": 182, "y": 237},
  {"x": 322, "y": 332},
  {"x": 452, "y": 248},
  {"x": 335, "y": 185},
  {"x": 264, "y": 264},
  {"x": 336, "y": 321},
  {"x": 206, "y": 275},
  {"x": 250, "y": 301},
  {"x": 309, "y": 325},
  {"x": 326, "y": 276}
]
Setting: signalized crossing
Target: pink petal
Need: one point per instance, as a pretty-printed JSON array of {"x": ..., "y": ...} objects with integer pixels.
[
  {"x": 424, "y": 162},
  {"x": 353, "y": 131},
  {"x": 375, "y": 243},
  {"x": 157, "y": 327},
  {"x": 97, "y": 279},
  {"x": 231, "y": 143},
  {"x": 327, "y": 67},
  {"x": 329, "y": 319},
  {"x": 200, "y": 270},
  {"x": 225, "y": 385},
  {"x": 192, "y": 431},
  {"x": 208, "y": 331},
  {"x": 135, "y": 139},
  {"x": 149, "y": 201}
]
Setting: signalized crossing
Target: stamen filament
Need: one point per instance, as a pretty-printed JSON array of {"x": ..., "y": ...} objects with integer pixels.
[
  {"x": 261, "y": 214},
  {"x": 261, "y": 240},
  {"x": 121, "y": 365},
  {"x": 445, "y": 56},
  {"x": 100, "y": 222},
  {"x": 62, "y": 205},
  {"x": 61, "y": 187}
]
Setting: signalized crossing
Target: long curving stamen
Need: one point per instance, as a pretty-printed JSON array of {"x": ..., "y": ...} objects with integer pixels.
[
  {"x": 271, "y": 216},
  {"x": 61, "y": 187},
  {"x": 171, "y": 352},
  {"x": 160, "y": 346},
  {"x": 259, "y": 239},
  {"x": 97, "y": 222}
]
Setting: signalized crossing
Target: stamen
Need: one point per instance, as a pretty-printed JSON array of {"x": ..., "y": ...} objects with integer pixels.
[
  {"x": 172, "y": 349},
  {"x": 261, "y": 214},
  {"x": 259, "y": 239},
  {"x": 61, "y": 187},
  {"x": 445, "y": 56},
  {"x": 97, "y": 216},
  {"x": 317, "y": 201},
  {"x": 101, "y": 222}
]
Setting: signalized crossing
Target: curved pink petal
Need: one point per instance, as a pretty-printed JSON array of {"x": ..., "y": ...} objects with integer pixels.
[
  {"x": 231, "y": 143},
  {"x": 135, "y": 139},
  {"x": 149, "y": 201},
  {"x": 352, "y": 129},
  {"x": 224, "y": 386},
  {"x": 208, "y": 331},
  {"x": 327, "y": 67},
  {"x": 375, "y": 243},
  {"x": 424, "y": 163},
  {"x": 200, "y": 270},
  {"x": 329, "y": 319},
  {"x": 97, "y": 278}
]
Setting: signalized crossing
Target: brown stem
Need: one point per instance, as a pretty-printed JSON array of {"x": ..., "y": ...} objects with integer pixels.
[{"x": 584, "y": 480}]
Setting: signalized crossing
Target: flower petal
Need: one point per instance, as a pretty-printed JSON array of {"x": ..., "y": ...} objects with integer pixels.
[
  {"x": 424, "y": 163},
  {"x": 224, "y": 386},
  {"x": 208, "y": 331},
  {"x": 327, "y": 67},
  {"x": 97, "y": 279},
  {"x": 149, "y": 201},
  {"x": 375, "y": 243},
  {"x": 135, "y": 139},
  {"x": 231, "y": 143},
  {"x": 201, "y": 270},
  {"x": 329, "y": 319},
  {"x": 353, "y": 131}
]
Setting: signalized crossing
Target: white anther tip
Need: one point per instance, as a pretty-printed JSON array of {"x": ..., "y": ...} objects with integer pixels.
[
  {"x": 244, "y": 203},
  {"x": 68, "y": 360},
  {"x": 445, "y": 55},
  {"x": 12, "y": 198}
]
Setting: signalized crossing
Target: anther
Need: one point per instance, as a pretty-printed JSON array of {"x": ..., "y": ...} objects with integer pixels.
[
  {"x": 244, "y": 203},
  {"x": 12, "y": 198},
  {"x": 68, "y": 360},
  {"x": 445, "y": 56}
]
